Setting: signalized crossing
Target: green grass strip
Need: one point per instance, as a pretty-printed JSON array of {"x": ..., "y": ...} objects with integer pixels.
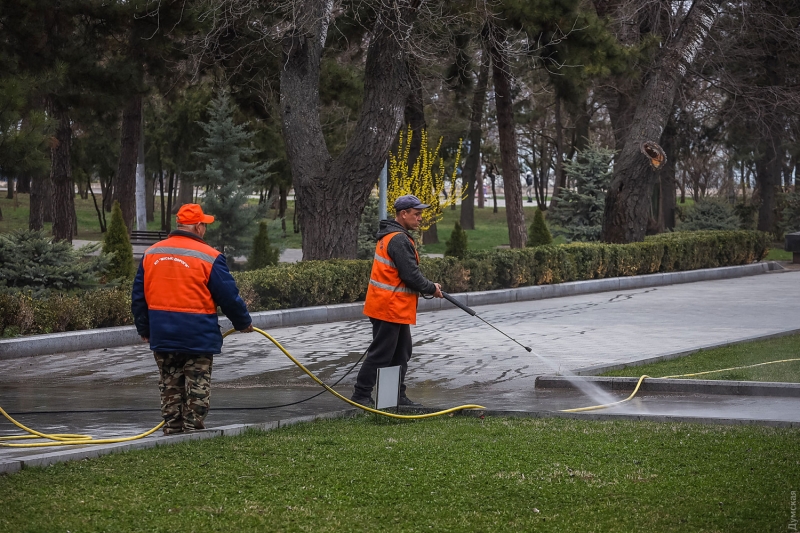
[
  {"x": 450, "y": 474},
  {"x": 743, "y": 354}
]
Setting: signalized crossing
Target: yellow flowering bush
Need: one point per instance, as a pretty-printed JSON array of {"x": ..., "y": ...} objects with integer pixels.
[{"x": 421, "y": 179}]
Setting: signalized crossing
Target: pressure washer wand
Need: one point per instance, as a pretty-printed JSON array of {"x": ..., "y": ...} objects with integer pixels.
[{"x": 472, "y": 312}]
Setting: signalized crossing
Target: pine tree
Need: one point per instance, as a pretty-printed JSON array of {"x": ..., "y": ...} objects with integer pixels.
[
  {"x": 230, "y": 176},
  {"x": 263, "y": 253},
  {"x": 538, "y": 234},
  {"x": 579, "y": 213},
  {"x": 117, "y": 242},
  {"x": 456, "y": 245}
]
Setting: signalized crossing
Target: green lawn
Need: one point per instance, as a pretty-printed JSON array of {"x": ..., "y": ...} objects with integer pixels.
[
  {"x": 447, "y": 474},
  {"x": 743, "y": 354},
  {"x": 777, "y": 253}
]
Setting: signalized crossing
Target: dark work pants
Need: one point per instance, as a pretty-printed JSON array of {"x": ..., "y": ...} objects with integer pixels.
[{"x": 391, "y": 346}]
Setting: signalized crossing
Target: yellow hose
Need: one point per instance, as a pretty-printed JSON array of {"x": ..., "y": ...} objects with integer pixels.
[
  {"x": 351, "y": 402},
  {"x": 66, "y": 439},
  {"x": 641, "y": 379}
]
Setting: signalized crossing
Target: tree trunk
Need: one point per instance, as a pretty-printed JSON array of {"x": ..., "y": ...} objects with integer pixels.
[
  {"x": 161, "y": 190},
  {"x": 628, "y": 199},
  {"x": 543, "y": 180},
  {"x": 10, "y": 190},
  {"x": 283, "y": 204},
  {"x": 330, "y": 225},
  {"x": 768, "y": 181},
  {"x": 185, "y": 193},
  {"x": 39, "y": 184},
  {"x": 24, "y": 184},
  {"x": 414, "y": 115},
  {"x": 125, "y": 186},
  {"x": 509, "y": 155},
  {"x": 170, "y": 191},
  {"x": 471, "y": 167},
  {"x": 493, "y": 180},
  {"x": 666, "y": 214},
  {"x": 63, "y": 198},
  {"x": 150, "y": 197},
  {"x": 559, "y": 180},
  {"x": 106, "y": 188},
  {"x": 479, "y": 185},
  {"x": 101, "y": 215}
]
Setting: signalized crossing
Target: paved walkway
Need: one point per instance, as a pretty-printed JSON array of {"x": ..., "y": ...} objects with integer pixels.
[{"x": 457, "y": 359}]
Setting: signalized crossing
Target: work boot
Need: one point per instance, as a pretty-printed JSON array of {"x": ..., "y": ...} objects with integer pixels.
[
  {"x": 405, "y": 401},
  {"x": 172, "y": 431},
  {"x": 366, "y": 402}
]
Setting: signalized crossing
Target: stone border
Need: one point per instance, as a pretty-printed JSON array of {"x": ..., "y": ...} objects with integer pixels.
[
  {"x": 10, "y": 466},
  {"x": 685, "y": 386},
  {"x": 126, "y": 335},
  {"x": 599, "y": 369}
]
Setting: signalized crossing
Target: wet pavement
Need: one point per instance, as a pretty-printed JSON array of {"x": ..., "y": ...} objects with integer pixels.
[{"x": 457, "y": 360}]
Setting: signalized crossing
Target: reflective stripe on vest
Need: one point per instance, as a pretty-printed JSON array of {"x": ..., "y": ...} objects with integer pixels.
[
  {"x": 388, "y": 298},
  {"x": 176, "y": 273}
]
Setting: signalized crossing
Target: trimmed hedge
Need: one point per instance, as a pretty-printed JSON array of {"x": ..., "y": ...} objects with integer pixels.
[{"x": 313, "y": 283}]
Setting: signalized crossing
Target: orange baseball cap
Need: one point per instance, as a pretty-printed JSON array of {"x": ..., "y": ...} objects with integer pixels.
[{"x": 190, "y": 214}]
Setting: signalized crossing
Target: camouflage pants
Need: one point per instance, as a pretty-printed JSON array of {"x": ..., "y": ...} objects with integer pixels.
[{"x": 185, "y": 385}]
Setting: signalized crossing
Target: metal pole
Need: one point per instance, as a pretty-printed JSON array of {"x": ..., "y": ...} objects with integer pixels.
[
  {"x": 141, "y": 195},
  {"x": 382, "y": 184}
]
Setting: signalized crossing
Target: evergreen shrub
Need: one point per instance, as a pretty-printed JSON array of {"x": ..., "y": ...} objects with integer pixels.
[
  {"x": 456, "y": 245},
  {"x": 31, "y": 260},
  {"x": 538, "y": 234},
  {"x": 368, "y": 228},
  {"x": 117, "y": 244},
  {"x": 710, "y": 214},
  {"x": 790, "y": 219},
  {"x": 578, "y": 214},
  {"x": 312, "y": 283},
  {"x": 263, "y": 254}
]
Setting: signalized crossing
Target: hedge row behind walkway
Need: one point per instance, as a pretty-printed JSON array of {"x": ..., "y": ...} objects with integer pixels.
[{"x": 312, "y": 283}]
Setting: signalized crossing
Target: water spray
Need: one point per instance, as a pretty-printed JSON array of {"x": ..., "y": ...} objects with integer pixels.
[{"x": 472, "y": 312}]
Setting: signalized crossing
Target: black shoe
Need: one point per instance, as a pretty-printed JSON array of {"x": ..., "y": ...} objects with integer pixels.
[
  {"x": 366, "y": 402},
  {"x": 405, "y": 401}
]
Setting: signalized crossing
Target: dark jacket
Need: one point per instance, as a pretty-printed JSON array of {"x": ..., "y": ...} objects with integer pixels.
[
  {"x": 190, "y": 325},
  {"x": 402, "y": 252}
]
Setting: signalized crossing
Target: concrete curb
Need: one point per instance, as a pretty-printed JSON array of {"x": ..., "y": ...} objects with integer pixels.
[
  {"x": 599, "y": 369},
  {"x": 685, "y": 386},
  {"x": 126, "y": 335},
  {"x": 10, "y": 466}
]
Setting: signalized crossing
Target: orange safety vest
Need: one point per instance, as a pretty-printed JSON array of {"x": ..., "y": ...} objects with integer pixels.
[
  {"x": 176, "y": 272},
  {"x": 388, "y": 298}
]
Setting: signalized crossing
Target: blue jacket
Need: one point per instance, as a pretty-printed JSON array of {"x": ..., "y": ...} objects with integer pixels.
[{"x": 180, "y": 282}]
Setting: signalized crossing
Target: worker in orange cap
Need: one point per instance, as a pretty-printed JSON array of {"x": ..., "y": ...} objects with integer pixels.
[{"x": 179, "y": 285}]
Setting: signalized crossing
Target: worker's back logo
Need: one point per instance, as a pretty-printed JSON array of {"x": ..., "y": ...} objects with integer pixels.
[
  {"x": 654, "y": 153},
  {"x": 170, "y": 258}
]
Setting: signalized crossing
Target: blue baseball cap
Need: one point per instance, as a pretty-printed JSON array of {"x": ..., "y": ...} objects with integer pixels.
[{"x": 408, "y": 201}]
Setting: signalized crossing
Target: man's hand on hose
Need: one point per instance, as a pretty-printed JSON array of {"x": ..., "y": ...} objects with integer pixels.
[
  {"x": 438, "y": 293},
  {"x": 248, "y": 329}
]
